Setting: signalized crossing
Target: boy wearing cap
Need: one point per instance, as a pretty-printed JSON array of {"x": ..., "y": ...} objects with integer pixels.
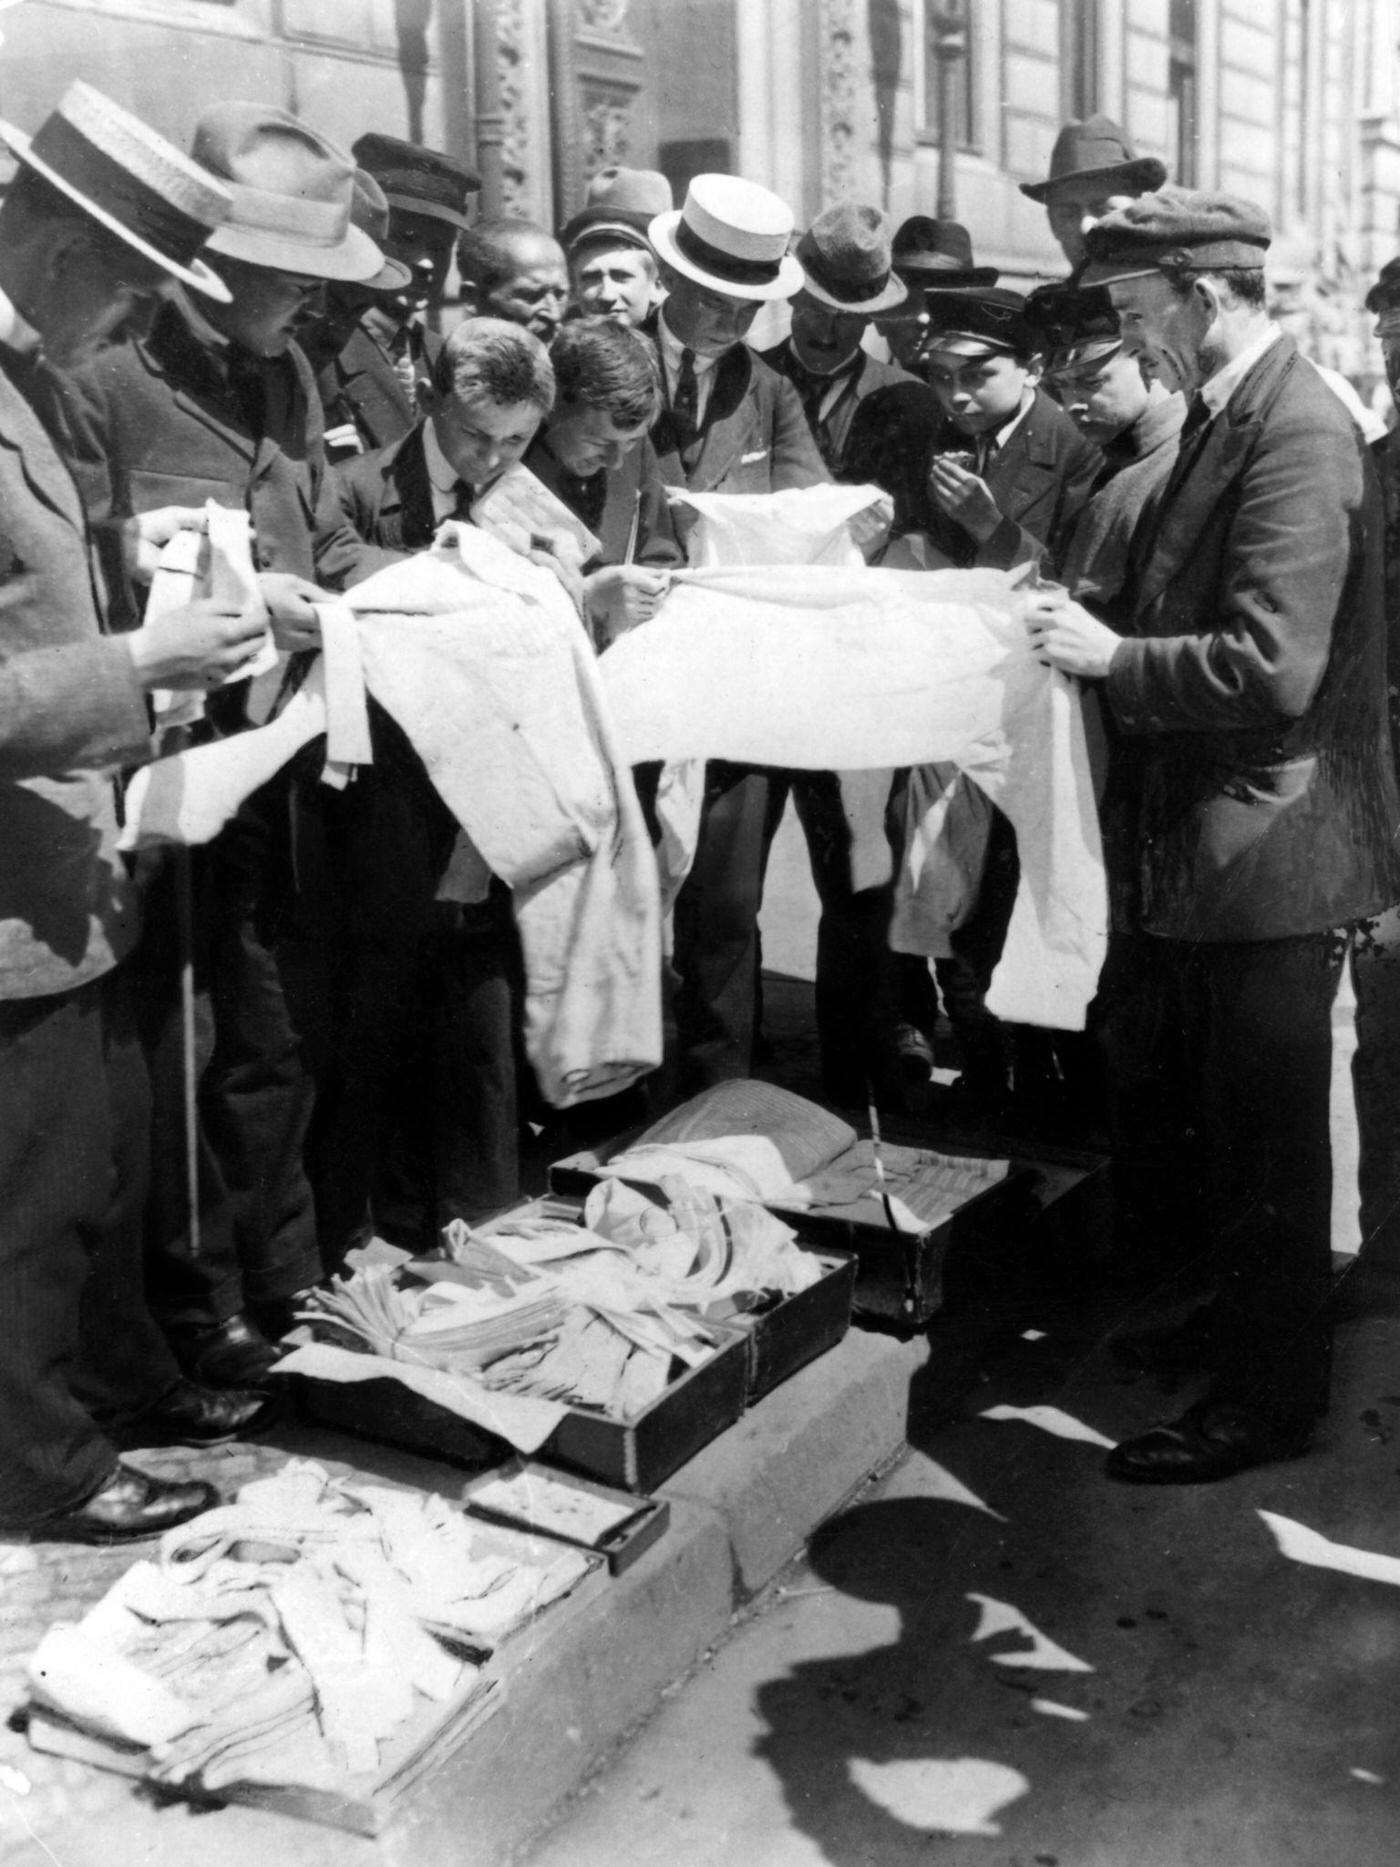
[
  {"x": 1011, "y": 469},
  {"x": 217, "y": 402},
  {"x": 513, "y": 269},
  {"x": 101, "y": 219},
  {"x": 729, "y": 423},
  {"x": 1130, "y": 416},
  {"x": 1249, "y": 816},
  {"x": 612, "y": 269},
  {"x": 1092, "y": 169},
  {"x": 927, "y": 255}
]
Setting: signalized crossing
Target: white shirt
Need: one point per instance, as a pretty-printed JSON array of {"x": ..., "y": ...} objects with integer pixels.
[
  {"x": 442, "y": 476},
  {"x": 671, "y": 348},
  {"x": 1217, "y": 389}
]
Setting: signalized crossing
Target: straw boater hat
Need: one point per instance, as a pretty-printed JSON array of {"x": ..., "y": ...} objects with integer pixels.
[
  {"x": 291, "y": 189},
  {"x": 731, "y": 235},
  {"x": 845, "y": 257},
  {"x": 1096, "y": 150},
  {"x": 936, "y": 254},
  {"x": 417, "y": 179},
  {"x": 369, "y": 211},
  {"x": 130, "y": 180},
  {"x": 621, "y": 205}
]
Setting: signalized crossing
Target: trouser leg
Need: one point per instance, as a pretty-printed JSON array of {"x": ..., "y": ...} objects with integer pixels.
[
  {"x": 716, "y": 928},
  {"x": 1266, "y": 1070},
  {"x": 1375, "y": 973},
  {"x": 71, "y": 1181},
  {"x": 965, "y": 976}
]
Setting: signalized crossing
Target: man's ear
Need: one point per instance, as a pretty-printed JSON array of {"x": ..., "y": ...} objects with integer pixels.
[
  {"x": 426, "y": 398},
  {"x": 469, "y": 297}
]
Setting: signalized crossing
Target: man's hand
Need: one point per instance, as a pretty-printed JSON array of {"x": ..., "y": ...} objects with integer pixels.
[
  {"x": 619, "y": 596},
  {"x": 291, "y": 610},
  {"x": 146, "y": 534},
  {"x": 963, "y": 497},
  {"x": 1065, "y": 636},
  {"x": 196, "y": 647}
]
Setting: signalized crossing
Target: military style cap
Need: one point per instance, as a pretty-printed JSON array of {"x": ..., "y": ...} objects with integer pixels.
[
  {"x": 1096, "y": 150},
  {"x": 978, "y": 323},
  {"x": 1073, "y": 324},
  {"x": 417, "y": 179},
  {"x": 1177, "y": 230}
]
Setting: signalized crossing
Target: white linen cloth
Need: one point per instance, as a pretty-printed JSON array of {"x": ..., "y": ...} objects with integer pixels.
[
  {"x": 482, "y": 661},
  {"x": 852, "y": 669}
]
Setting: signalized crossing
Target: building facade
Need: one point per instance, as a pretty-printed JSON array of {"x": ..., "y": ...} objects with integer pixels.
[{"x": 1294, "y": 103}]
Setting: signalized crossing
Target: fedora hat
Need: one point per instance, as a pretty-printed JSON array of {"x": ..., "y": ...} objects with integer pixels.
[
  {"x": 417, "y": 179},
  {"x": 1096, "y": 150},
  {"x": 129, "y": 179},
  {"x": 369, "y": 211},
  {"x": 291, "y": 189},
  {"x": 731, "y": 235},
  {"x": 621, "y": 203},
  {"x": 937, "y": 253},
  {"x": 845, "y": 258}
]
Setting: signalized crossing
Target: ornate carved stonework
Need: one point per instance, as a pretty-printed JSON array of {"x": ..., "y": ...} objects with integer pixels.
[
  {"x": 515, "y": 151},
  {"x": 609, "y": 16},
  {"x": 607, "y": 137},
  {"x": 839, "y": 97}
]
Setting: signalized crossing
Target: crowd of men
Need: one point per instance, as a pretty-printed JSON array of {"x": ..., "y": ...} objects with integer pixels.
[{"x": 220, "y": 1069}]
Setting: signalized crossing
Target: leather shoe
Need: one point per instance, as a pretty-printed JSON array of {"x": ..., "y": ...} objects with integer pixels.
[
  {"x": 1212, "y": 1440},
  {"x": 190, "y": 1415},
  {"x": 235, "y": 1353},
  {"x": 129, "y": 1507}
]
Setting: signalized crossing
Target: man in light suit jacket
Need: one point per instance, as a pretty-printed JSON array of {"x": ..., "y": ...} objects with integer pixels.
[
  {"x": 101, "y": 219},
  {"x": 730, "y": 424},
  {"x": 1250, "y": 818}
]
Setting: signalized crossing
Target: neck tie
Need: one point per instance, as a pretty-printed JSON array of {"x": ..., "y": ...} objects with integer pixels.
[
  {"x": 1189, "y": 444},
  {"x": 685, "y": 399},
  {"x": 465, "y": 495}
]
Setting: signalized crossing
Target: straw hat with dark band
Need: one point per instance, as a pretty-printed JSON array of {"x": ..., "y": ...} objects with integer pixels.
[
  {"x": 731, "y": 235},
  {"x": 291, "y": 189},
  {"x": 130, "y": 180}
]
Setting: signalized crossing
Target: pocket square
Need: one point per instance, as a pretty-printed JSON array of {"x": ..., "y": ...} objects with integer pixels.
[{"x": 747, "y": 460}]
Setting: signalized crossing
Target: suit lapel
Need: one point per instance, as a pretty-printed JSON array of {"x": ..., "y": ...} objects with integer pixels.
[
  {"x": 729, "y": 421},
  {"x": 39, "y": 459},
  {"x": 1019, "y": 473}
]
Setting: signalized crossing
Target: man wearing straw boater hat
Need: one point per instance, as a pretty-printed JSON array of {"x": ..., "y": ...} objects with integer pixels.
[
  {"x": 218, "y": 402},
  {"x": 1092, "y": 169},
  {"x": 730, "y": 424},
  {"x": 102, "y": 218},
  {"x": 1249, "y": 816}
]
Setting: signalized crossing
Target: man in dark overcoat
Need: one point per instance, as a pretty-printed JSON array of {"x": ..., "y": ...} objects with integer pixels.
[{"x": 1251, "y": 814}]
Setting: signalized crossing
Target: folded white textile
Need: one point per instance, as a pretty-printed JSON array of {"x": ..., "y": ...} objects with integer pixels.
[{"x": 856, "y": 669}]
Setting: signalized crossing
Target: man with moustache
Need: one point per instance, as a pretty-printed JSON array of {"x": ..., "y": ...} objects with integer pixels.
[
  {"x": 427, "y": 196},
  {"x": 1249, "y": 819},
  {"x": 513, "y": 269},
  {"x": 101, "y": 219}
]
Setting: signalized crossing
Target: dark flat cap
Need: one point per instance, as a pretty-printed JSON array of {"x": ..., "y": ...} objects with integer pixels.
[
  {"x": 1384, "y": 295},
  {"x": 1177, "y": 230},
  {"x": 1096, "y": 150},
  {"x": 1072, "y": 323},
  {"x": 417, "y": 179},
  {"x": 980, "y": 321}
]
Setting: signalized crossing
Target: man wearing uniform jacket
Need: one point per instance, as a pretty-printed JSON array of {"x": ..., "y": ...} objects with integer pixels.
[{"x": 1250, "y": 818}]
